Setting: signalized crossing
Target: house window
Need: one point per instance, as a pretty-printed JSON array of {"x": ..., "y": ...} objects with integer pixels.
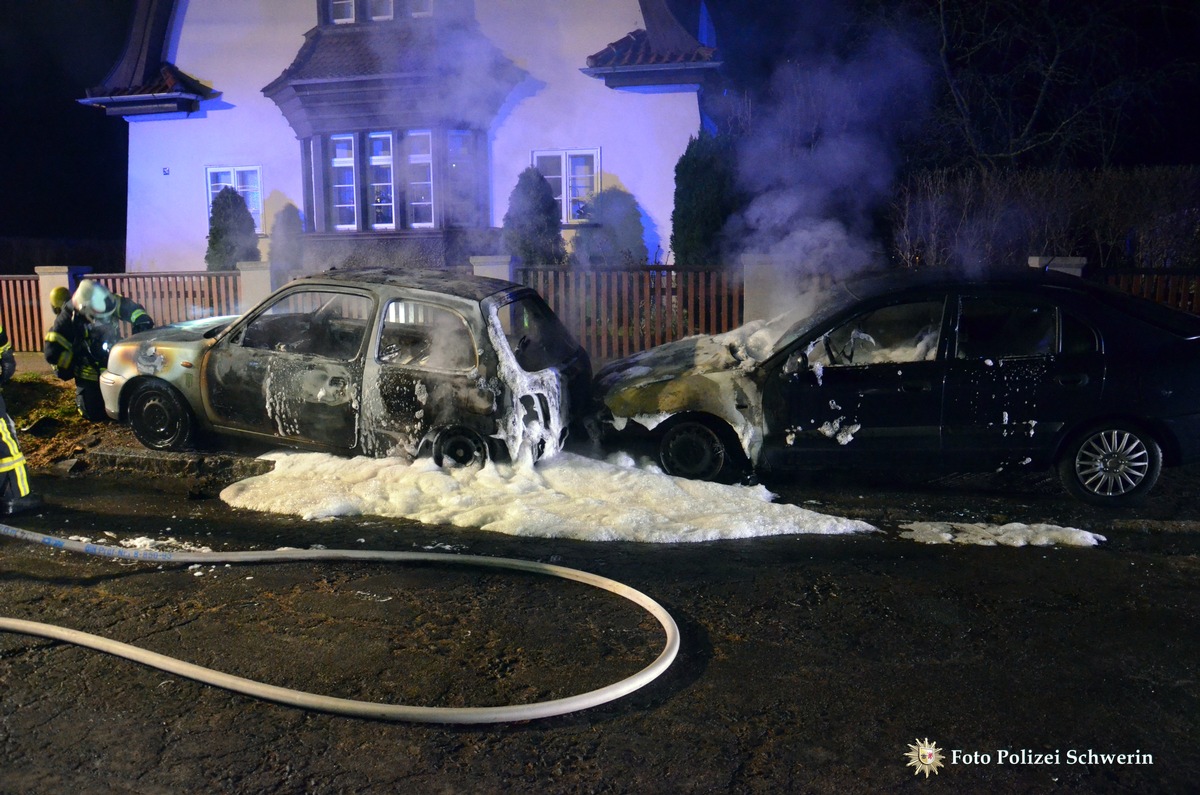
[
  {"x": 462, "y": 205},
  {"x": 389, "y": 180},
  {"x": 419, "y": 146},
  {"x": 246, "y": 180},
  {"x": 420, "y": 8},
  {"x": 383, "y": 210},
  {"x": 341, "y": 11},
  {"x": 381, "y": 9},
  {"x": 341, "y": 172},
  {"x": 574, "y": 177}
]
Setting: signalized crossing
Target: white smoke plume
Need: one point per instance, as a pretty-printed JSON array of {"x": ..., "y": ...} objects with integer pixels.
[{"x": 819, "y": 159}]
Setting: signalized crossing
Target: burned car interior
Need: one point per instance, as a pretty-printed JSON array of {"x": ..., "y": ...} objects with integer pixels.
[
  {"x": 416, "y": 333},
  {"x": 330, "y": 325}
]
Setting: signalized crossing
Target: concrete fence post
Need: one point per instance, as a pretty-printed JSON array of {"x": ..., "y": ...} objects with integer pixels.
[
  {"x": 1071, "y": 265},
  {"x": 496, "y": 267},
  {"x": 256, "y": 283},
  {"x": 763, "y": 283},
  {"x": 49, "y": 277}
]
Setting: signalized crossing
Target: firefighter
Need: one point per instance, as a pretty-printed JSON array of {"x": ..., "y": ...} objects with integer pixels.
[
  {"x": 14, "y": 479},
  {"x": 58, "y": 298},
  {"x": 83, "y": 332}
]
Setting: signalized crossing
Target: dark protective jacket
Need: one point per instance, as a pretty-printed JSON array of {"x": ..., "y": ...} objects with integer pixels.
[
  {"x": 14, "y": 480},
  {"x": 78, "y": 348}
]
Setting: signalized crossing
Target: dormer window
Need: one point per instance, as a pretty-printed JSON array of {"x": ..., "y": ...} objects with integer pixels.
[
  {"x": 382, "y": 10},
  {"x": 341, "y": 12}
]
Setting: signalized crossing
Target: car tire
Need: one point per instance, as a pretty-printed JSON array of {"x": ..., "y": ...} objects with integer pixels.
[
  {"x": 701, "y": 450},
  {"x": 1112, "y": 464},
  {"x": 459, "y": 447},
  {"x": 160, "y": 417}
]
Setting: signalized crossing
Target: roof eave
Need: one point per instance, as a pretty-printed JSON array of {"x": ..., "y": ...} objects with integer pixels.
[
  {"x": 145, "y": 104},
  {"x": 653, "y": 74}
]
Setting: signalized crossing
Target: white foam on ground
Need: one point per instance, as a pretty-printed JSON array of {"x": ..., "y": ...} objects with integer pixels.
[
  {"x": 568, "y": 496},
  {"x": 1013, "y": 534}
]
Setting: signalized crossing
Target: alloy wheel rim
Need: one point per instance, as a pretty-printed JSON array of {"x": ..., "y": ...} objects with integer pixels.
[{"x": 1112, "y": 463}]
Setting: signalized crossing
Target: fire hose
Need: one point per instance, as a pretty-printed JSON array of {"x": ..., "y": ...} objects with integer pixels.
[{"x": 344, "y": 706}]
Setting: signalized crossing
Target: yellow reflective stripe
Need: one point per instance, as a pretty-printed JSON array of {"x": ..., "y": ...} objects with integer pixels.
[
  {"x": 6, "y": 347},
  {"x": 14, "y": 463},
  {"x": 136, "y": 314},
  {"x": 90, "y": 372},
  {"x": 54, "y": 336},
  {"x": 64, "y": 358}
]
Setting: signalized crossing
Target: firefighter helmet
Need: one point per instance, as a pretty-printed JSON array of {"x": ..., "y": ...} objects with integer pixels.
[
  {"x": 59, "y": 297},
  {"x": 94, "y": 301}
]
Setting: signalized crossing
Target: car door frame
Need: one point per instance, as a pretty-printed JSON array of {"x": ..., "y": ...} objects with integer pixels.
[
  {"x": 329, "y": 386},
  {"x": 1023, "y": 403},
  {"x": 846, "y": 394}
]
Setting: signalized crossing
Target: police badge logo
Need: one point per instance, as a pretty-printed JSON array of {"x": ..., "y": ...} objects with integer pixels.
[{"x": 924, "y": 756}]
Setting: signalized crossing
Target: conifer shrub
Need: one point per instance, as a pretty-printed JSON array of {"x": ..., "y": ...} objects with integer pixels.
[
  {"x": 531, "y": 230},
  {"x": 231, "y": 235},
  {"x": 614, "y": 235},
  {"x": 287, "y": 244},
  {"x": 706, "y": 195}
]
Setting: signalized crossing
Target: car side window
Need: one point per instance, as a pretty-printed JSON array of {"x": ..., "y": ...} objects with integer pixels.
[
  {"x": 313, "y": 322},
  {"x": 998, "y": 327},
  {"x": 888, "y": 335},
  {"x": 1077, "y": 336},
  {"x": 419, "y": 334}
]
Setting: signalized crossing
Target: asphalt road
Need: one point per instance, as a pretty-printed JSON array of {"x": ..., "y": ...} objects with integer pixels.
[{"x": 808, "y": 664}]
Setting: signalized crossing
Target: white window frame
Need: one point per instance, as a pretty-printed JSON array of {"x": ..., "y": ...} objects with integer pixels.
[
  {"x": 571, "y": 190},
  {"x": 347, "y": 163},
  {"x": 379, "y": 161},
  {"x": 383, "y": 16},
  {"x": 420, "y": 8},
  {"x": 233, "y": 177},
  {"x": 342, "y": 6},
  {"x": 425, "y": 158}
]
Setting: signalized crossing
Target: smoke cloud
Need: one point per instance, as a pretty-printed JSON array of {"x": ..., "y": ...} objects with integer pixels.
[{"x": 820, "y": 159}]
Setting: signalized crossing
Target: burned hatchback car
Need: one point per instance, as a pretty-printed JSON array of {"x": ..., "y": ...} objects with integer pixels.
[
  {"x": 366, "y": 362},
  {"x": 930, "y": 374}
]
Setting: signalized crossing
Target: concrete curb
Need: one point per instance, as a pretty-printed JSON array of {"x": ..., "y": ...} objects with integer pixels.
[{"x": 154, "y": 462}]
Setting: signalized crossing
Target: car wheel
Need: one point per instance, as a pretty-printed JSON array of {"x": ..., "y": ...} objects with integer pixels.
[
  {"x": 1111, "y": 464},
  {"x": 698, "y": 450},
  {"x": 160, "y": 418},
  {"x": 459, "y": 447}
]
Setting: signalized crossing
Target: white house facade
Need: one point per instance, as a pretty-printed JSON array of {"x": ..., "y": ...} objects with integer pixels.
[{"x": 398, "y": 128}]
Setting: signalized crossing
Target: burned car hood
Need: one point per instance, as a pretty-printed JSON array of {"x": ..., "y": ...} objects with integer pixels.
[
  {"x": 161, "y": 350},
  {"x": 185, "y": 331},
  {"x": 741, "y": 349}
]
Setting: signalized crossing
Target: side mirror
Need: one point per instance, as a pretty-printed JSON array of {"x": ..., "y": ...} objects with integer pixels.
[{"x": 796, "y": 363}]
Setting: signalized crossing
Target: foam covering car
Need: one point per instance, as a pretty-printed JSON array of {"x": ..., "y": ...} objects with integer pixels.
[
  {"x": 928, "y": 373},
  {"x": 372, "y": 362}
]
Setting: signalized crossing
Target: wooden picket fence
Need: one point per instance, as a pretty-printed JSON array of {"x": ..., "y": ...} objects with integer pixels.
[
  {"x": 21, "y": 313},
  {"x": 1176, "y": 288},
  {"x": 614, "y": 313},
  {"x": 172, "y": 297}
]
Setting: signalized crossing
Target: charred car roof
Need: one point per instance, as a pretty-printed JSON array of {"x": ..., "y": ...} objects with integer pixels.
[{"x": 474, "y": 288}]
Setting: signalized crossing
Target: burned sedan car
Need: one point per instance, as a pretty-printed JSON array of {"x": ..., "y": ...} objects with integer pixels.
[
  {"x": 1033, "y": 370},
  {"x": 363, "y": 362}
]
